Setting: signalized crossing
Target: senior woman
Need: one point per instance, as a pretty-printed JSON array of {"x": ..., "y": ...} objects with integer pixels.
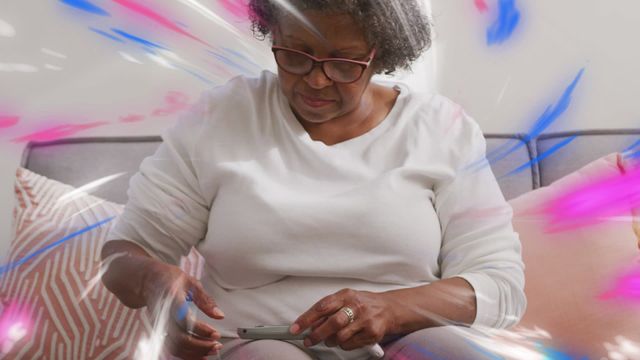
[{"x": 322, "y": 199}]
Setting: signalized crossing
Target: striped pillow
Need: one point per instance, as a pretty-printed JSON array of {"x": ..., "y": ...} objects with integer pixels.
[{"x": 53, "y": 304}]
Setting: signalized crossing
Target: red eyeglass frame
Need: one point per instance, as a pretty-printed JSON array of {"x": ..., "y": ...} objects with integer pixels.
[{"x": 316, "y": 61}]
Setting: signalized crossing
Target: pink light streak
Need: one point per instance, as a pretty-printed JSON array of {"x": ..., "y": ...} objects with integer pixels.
[
  {"x": 237, "y": 8},
  {"x": 131, "y": 118},
  {"x": 595, "y": 202},
  {"x": 58, "y": 132},
  {"x": 481, "y": 5},
  {"x": 158, "y": 18},
  {"x": 175, "y": 101},
  {"x": 8, "y": 121},
  {"x": 15, "y": 323},
  {"x": 625, "y": 287}
]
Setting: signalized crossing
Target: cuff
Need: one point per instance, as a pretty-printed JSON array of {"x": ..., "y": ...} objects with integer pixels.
[
  {"x": 123, "y": 231},
  {"x": 487, "y": 295}
]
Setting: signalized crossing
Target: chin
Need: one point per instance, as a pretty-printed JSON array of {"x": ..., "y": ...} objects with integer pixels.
[{"x": 314, "y": 117}]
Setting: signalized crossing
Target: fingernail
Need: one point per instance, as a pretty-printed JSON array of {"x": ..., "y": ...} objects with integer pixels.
[
  {"x": 216, "y": 348},
  {"x": 218, "y": 312},
  {"x": 294, "y": 329}
]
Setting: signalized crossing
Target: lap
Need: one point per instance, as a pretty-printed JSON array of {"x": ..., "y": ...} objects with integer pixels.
[
  {"x": 240, "y": 349},
  {"x": 440, "y": 343}
]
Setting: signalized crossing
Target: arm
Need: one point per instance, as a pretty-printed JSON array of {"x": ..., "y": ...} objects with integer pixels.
[
  {"x": 440, "y": 303},
  {"x": 125, "y": 275},
  {"x": 167, "y": 214}
]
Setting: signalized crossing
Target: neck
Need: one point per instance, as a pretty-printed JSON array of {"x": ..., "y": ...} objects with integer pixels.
[{"x": 348, "y": 126}]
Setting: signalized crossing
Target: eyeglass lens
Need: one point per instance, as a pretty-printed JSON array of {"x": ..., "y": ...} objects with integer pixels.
[{"x": 340, "y": 71}]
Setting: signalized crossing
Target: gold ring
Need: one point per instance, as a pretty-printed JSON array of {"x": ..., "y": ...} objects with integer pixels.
[{"x": 347, "y": 310}]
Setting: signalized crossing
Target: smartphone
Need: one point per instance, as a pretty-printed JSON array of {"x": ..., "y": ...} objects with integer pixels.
[
  {"x": 281, "y": 332},
  {"x": 276, "y": 332}
]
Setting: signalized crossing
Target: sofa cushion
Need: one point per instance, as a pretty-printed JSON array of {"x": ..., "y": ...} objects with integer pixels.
[
  {"x": 568, "y": 272},
  {"x": 54, "y": 304},
  {"x": 82, "y": 160}
]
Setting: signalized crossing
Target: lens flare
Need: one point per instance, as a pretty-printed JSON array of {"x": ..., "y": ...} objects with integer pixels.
[
  {"x": 481, "y": 5},
  {"x": 504, "y": 26},
  {"x": 86, "y": 6},
  {"x": 551, "y": 114},
  {"x": 58, "y": 132},
  {"x": 6, "y": 29},
  {"x": 8, "y": 121},
  {"x": 625, "y": 287},
  {"x": 157, "y": 18},
  {"x": 15, "y": 323},
  {"x": 594, "y": 202}
]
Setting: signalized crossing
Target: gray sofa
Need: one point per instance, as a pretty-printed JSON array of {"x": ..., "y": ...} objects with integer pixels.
[
  {"x": 561, "y": 312},
  {"x": 79, "y": 161}
]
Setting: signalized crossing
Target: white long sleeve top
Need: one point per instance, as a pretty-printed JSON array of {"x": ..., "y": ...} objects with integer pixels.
[{"x": 283, "y": 220}]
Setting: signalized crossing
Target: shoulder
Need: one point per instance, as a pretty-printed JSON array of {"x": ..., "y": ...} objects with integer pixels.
[
  {"x": 441, "y": 117},
  {"x": 240, "y": 90},
  {"x": 443, "y": 126},
  {"x": 233, "y": 103}
]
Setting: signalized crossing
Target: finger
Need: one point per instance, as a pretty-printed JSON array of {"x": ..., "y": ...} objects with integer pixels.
[
  {"x": 205, "y": 302},
  {"x": 196, "y": 345},
  {"x": 323, "y": 308},
  {"x": 202, "y": 329},
  {"x": 318, "y": 322},
  {"x": 185, "y": 318},
  {"x": 331, "y": 326},
  {"x": 357, "y": 341},
  {"x": 181, "y": 313},
  {"x": 349, "y": 332},
  {"x": 183, "y": 343},
  {"x": 331, "y": 341}
]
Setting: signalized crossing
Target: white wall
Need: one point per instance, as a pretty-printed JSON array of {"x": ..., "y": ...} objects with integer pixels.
[
  {"x": 87, "y": 78},
  {"x": 532, "y": 69},
  {"x": 505, "y": 88}
]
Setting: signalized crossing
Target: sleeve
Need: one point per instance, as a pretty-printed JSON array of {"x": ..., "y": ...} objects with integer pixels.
[
  {"x": 167, "y": 213},
  {"x": 479, "y": 243}
]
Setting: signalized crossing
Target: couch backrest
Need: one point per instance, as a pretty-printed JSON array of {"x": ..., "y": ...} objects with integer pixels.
[{"x": 82, "y": 160}]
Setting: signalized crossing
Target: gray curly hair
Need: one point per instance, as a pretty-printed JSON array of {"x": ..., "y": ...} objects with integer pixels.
[{"x": 399, "y": 28}]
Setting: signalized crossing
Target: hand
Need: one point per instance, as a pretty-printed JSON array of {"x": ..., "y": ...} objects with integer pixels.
[
  {"x": 330, "y": 324},
  {"x": 165, "y": 289}
]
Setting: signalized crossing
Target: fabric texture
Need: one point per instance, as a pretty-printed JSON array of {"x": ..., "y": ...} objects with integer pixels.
[
  {"x": 78, "y": 161},
  {"x": 49, "y": 290},
  {"x": 568, "y": 272},
  {"x": 445, "y": 342},
  {"x": 587, "y": 146},
  {"x": 284, "y": 220}
]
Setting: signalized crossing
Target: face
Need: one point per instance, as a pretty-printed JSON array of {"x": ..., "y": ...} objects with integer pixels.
[{"x": 314, "y": 97}]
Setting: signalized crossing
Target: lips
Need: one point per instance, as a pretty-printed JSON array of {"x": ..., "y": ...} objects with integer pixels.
[{"x": 316, "y": 102}]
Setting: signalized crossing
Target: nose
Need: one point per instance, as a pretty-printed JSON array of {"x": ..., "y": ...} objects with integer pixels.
[{"x": 316, "y": 78}]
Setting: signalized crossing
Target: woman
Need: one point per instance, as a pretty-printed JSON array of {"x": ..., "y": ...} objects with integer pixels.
[{"x": 322, "y": 199}]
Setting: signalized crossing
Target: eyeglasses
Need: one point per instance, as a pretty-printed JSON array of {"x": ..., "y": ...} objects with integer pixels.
[{"x": 337, "y": 69}]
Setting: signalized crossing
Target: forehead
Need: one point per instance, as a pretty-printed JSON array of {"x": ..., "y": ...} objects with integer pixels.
[{"x": 337, "y": 30}]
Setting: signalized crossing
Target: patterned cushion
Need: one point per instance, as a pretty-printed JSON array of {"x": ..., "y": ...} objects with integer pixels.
[{"x": 50, "y": 308}]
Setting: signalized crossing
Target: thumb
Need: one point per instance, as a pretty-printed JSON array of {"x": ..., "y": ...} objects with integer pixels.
[{"x": 205, "y": 302}]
